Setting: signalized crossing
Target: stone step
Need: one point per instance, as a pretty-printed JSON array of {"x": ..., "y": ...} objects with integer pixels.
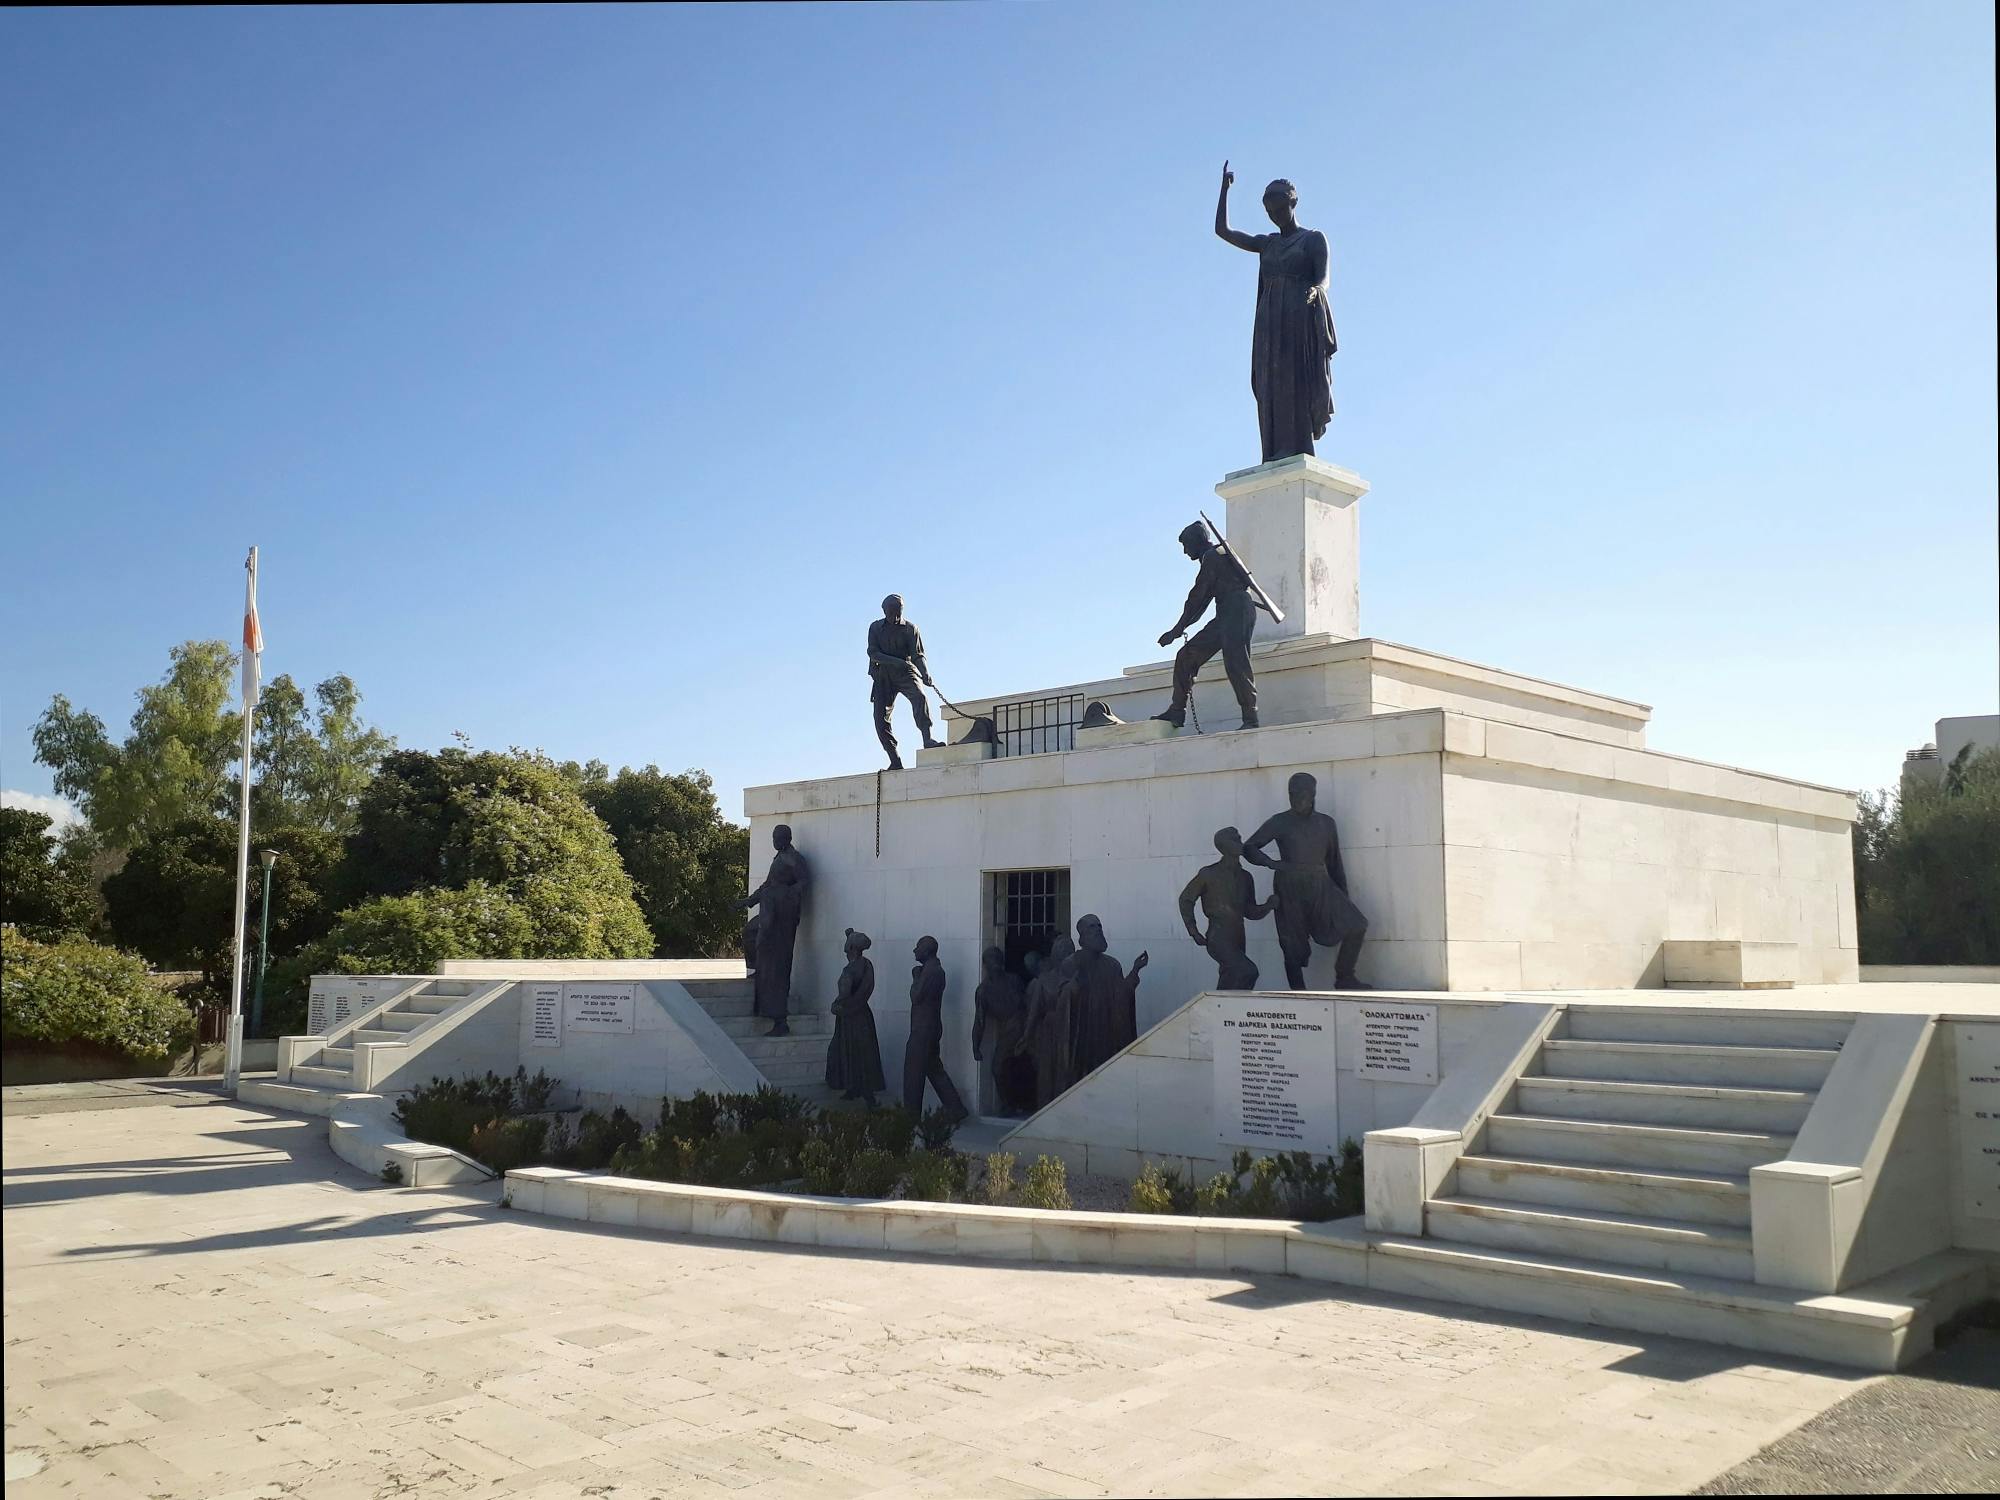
[
  {"x": 721, "y": 990},
  {"x": 784, "y": 1049},
  {"x": 1876, "y": 1326},
  {"x": 1697, "y": 1197},
  {"x": 1715, "y": 1026},
  {"x": 1699, "y": 1106},
  {"x": 452, "y": 989},
  {"x": 336, "y": 1057},
  {"x": 1581, "y": 1234},
  {"x": 301, "y": 1098},
  {"x": 1689, "y": 1062},
  {"x": 1661, "y": 1148},
  {"x": 791, "y": 1070},
  {"x": 372, "y": 1035},
  {"x": 748, "y": 1028},
  {"x": 428, "y": 1005},
  {"x": 324, "y": 1078},
  {"x": 403, "y": 1020}
]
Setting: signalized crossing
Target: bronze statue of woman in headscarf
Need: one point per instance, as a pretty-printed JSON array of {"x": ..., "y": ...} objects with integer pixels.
[{"x": 1291, "y": 350}]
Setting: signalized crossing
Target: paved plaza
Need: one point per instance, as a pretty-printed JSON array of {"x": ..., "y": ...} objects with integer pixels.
[{"x": 202, "y": 1301}]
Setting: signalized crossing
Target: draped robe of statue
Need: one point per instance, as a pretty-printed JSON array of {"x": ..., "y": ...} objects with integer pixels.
[
  {"x": 854, "y": 1057},
  {"x": 1292, "y": 344},
  {"x": 1104, "y": 1016},
  {"x": 780, "y": 901},
  {"x": 1047, "y": 1030}
]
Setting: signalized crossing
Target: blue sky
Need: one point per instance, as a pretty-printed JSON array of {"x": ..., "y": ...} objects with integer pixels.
[{"x": 586, "y": 376}]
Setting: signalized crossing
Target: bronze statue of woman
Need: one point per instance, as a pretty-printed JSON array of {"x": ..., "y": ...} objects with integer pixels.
[{"x": 1291, "y": 349}]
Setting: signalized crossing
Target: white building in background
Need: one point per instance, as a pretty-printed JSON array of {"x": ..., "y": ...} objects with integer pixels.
[{"x": 1925, "y": 765}]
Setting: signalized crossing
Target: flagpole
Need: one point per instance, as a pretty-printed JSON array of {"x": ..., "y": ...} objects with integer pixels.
[{"x": 232, "y": 1067}]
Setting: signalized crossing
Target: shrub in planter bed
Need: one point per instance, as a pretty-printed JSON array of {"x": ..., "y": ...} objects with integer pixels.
[{"x": 76, "y": 992}]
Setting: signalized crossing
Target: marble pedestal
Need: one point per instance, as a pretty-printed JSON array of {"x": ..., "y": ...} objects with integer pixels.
[
  {"x": 1142, "y": 731},
  {"x": 953, "y": 755},
  {"x": 1295, "y": 523}
]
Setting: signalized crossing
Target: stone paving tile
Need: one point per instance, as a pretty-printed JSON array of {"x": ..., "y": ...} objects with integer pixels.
[{"x": 201, "y": 1301}]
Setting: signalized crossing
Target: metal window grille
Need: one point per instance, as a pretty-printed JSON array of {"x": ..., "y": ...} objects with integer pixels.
[
  {"x": 1030, "y": 908},
  {"x": 1035, "y": 726}
]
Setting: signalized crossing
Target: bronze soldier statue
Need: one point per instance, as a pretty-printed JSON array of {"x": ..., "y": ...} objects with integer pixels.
[
  {"x": 896, "y": 663},
  {"x": 1292, "y": 344},
  {"x": 1220, "y": 580},
  {"x": 1309, "y": 887},
  {"x": 923, "y": 1057},
  {"x": 1228, "y": 897}
]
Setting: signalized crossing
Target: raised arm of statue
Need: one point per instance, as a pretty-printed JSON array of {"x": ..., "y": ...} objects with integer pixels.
[{"x": 1235, "y": 237}]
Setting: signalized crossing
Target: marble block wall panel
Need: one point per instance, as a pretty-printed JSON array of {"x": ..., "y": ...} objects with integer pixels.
[{"x": 1568, "y": 864}]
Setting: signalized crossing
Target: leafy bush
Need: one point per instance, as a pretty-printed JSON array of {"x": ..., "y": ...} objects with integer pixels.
[
  {"x": 593, "y": 1143},
  {"x": 74, "y": 991},
  {"x": 1290, "y": 1186},
  {"x": 936, "y": 1128},
  {"x": 822, "y": 1168},
  {"x": 998, "y": 1187},
  {"x": 872, "y": 1174},
  {"x": 447, "y": 1111},
  {"x": 1162, "y": 1190},
  {"x": 937, "y": 1176},
  {"x": 1047, "y": 1185},
  {"x": 506, "y": 1144}
]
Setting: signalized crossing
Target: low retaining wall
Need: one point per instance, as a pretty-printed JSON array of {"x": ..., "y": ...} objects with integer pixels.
[{"x": 1324, "y": 1252}]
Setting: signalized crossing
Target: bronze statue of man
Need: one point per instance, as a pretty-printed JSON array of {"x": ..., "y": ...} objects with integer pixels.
[
  {"x": 1228, "y": 897},
  {"x": 1001, "y": 1004},
  {"x": 780, "y": 902},
  {"x": 896, "y": 664},
  {"x": 1104, "y": 1019},
  {"x": 1219, "y": 580},
  {"x": 1292, "y": 344},
  {"x": 923, "y": 1056},
  {"x": 1309, "y": 887}
]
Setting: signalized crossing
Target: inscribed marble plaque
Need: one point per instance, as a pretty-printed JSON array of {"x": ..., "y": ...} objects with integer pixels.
[
  {"x": 1388, "y": 1040},
  {"x": 1976, "y": 1050},
  {"x": 545, "y": 1012},
  {"x": 598, "y": 1007},
  {"x": 1274, "y": 1083}
]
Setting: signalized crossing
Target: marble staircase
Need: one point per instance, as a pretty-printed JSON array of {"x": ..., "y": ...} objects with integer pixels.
[
  {"x": 330, "y": 1065},
  {"x": 1629, "y": 1140},
  {"x": 795, "y": 1063}
]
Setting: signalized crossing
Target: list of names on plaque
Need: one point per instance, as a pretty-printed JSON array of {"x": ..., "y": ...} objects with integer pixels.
[
  {"x": 545, "y": 1012},
  {"x": 1274, "y": 1075},
  {"x": 1389, "y": 1040}
]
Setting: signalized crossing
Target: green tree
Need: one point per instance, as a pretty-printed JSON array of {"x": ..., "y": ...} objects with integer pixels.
[
  {"x": 312, "y": 768},
  {"x": 46, "y": 888},
  {"x": 174, "y": 764},
  {"x": 476, "y": 854},
  {"x": 1927, "y": 869},
  {"x": 175, "y": 897},
  {"x": 688, "y": 863},
  {"x": 179, "y": 760}
]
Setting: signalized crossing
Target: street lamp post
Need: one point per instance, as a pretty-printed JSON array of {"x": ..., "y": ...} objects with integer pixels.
[{"x": 269, "y": 857}]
